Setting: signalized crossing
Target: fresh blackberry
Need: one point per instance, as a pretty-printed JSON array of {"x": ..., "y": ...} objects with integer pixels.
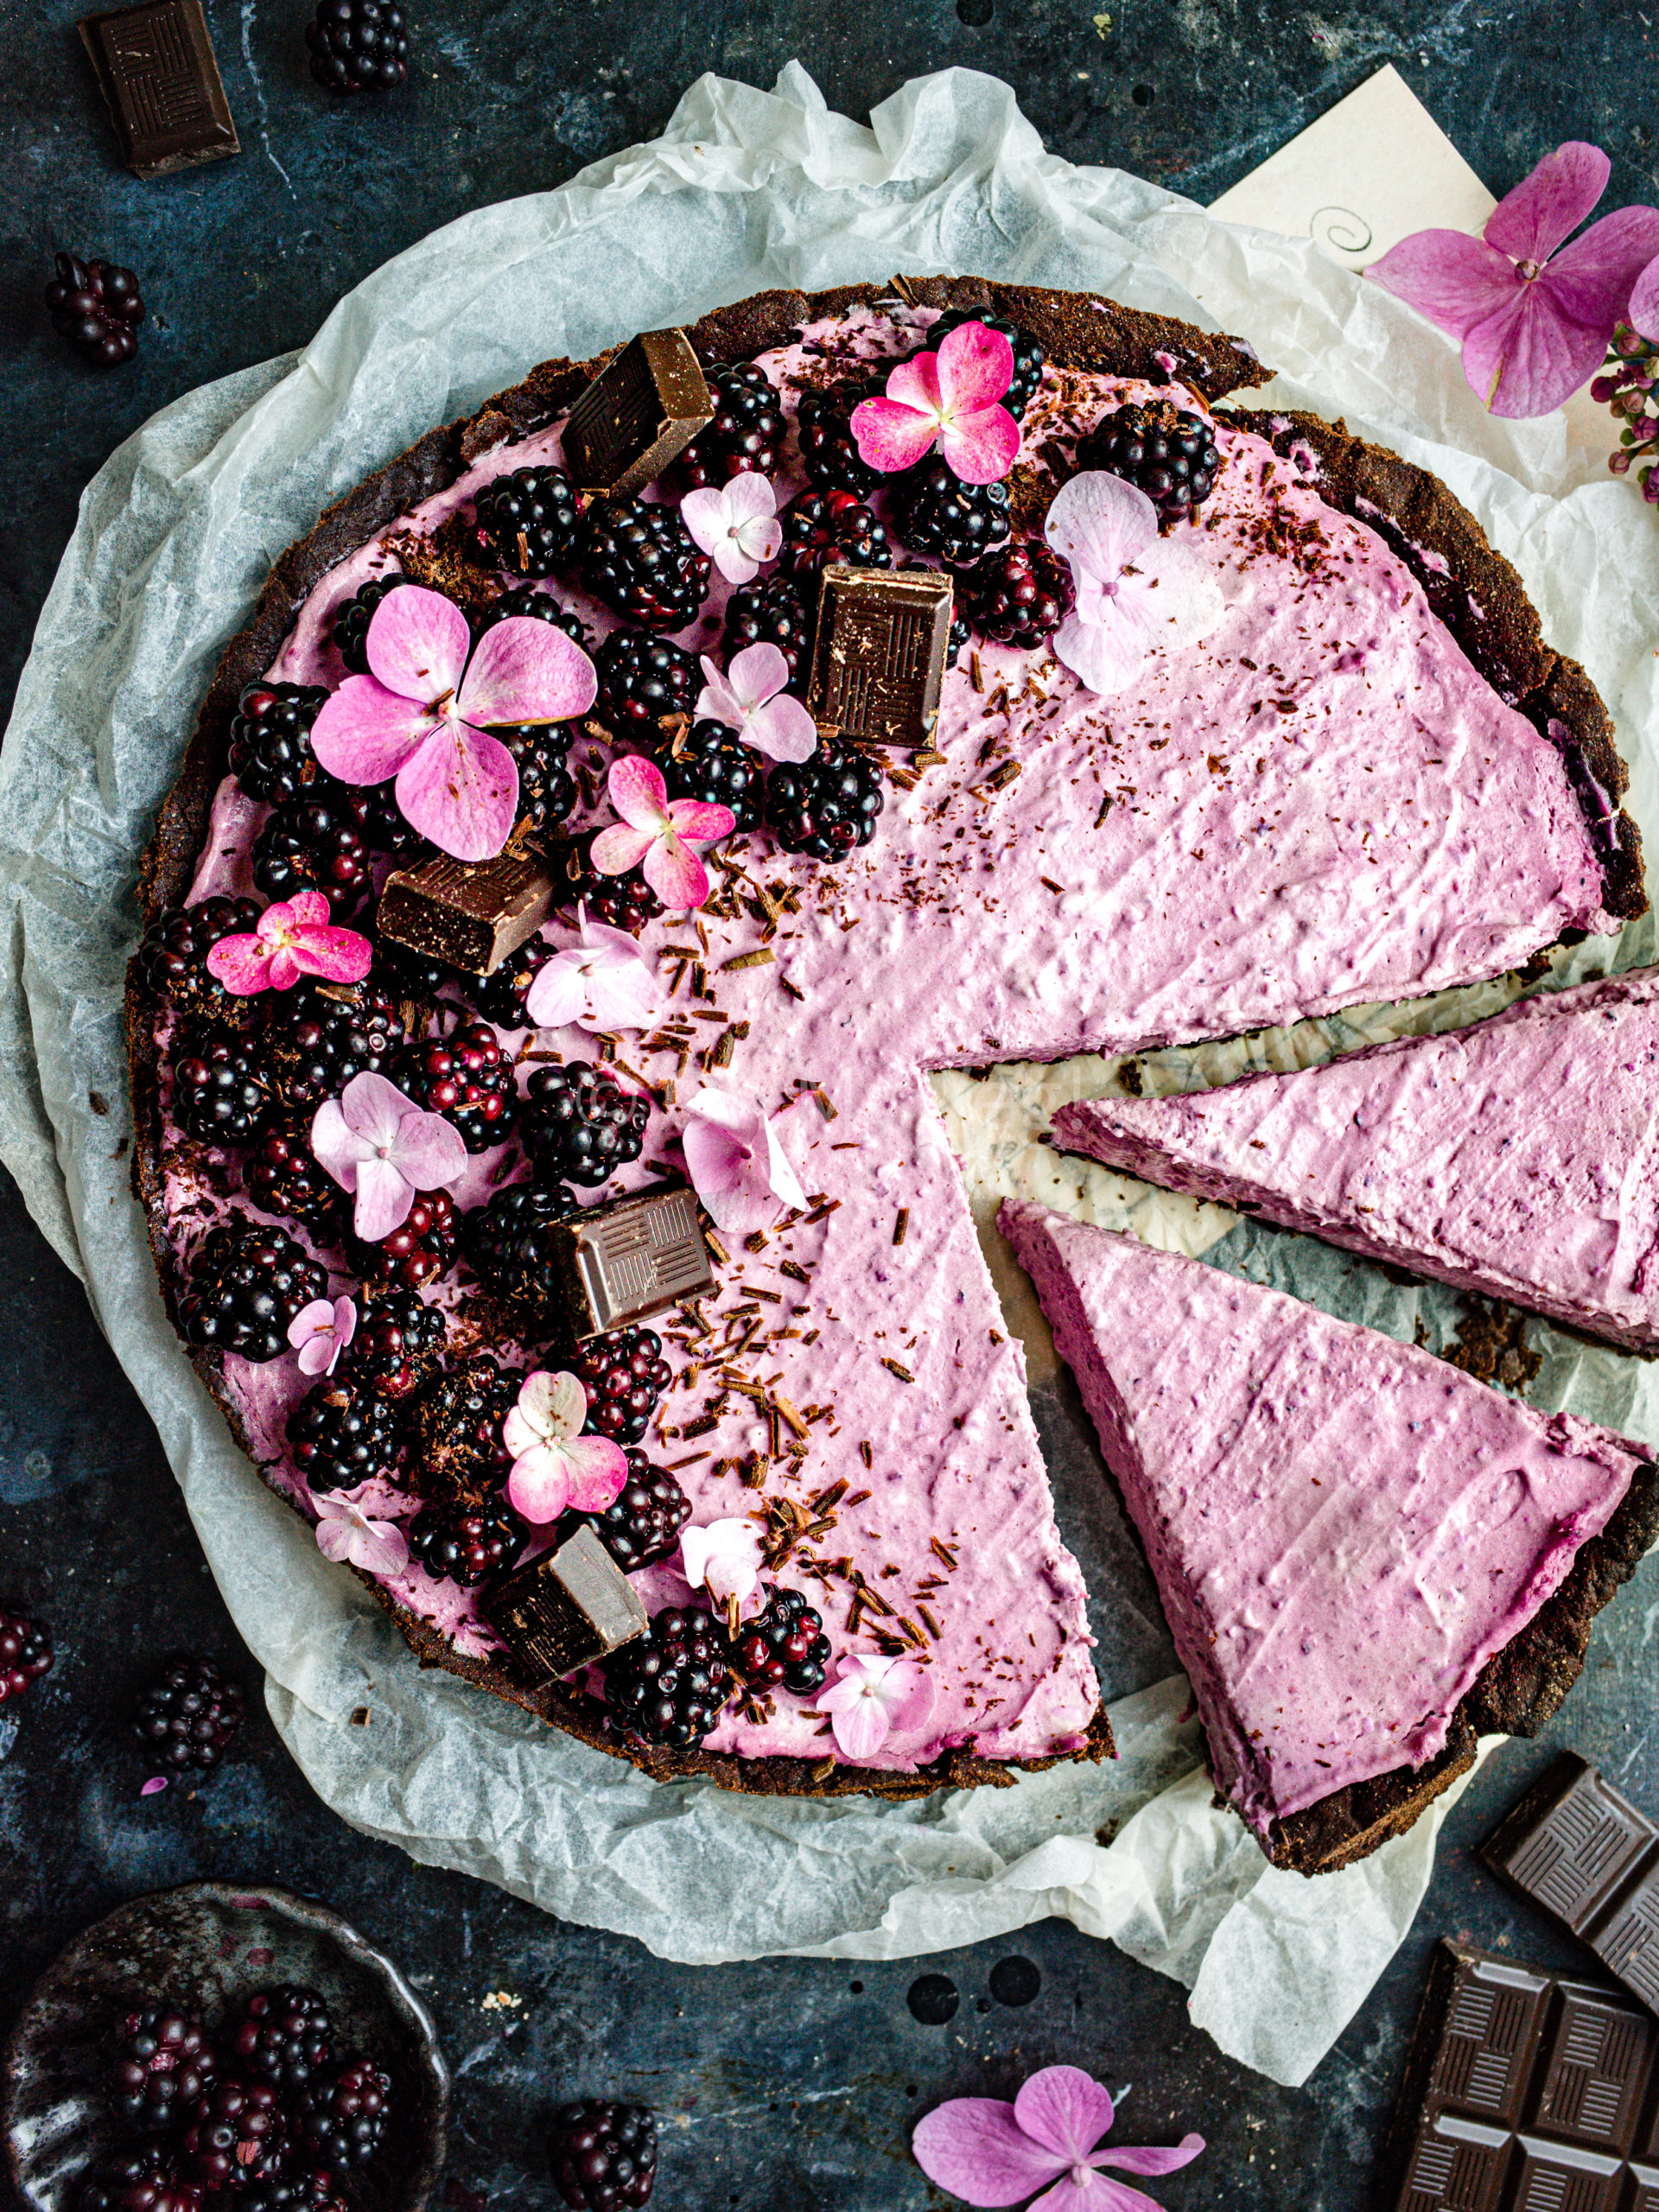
[
  {"x": 188, "y": 1715},
  {"x": 746, "y": 435},
  {"x": 343, "y": 2115},
  {"x": 353, "y": 616},
  {"x": 1168, "y": 453},
  {"x": 270, "y": 738},
  {"x": 643, "y": 1523},
  {"x": 454, "y": 1428},
  {"x": 956, "y": 523},
  {"x": 623, "y": 902},
  {"x": 643, "y": 678},
  {"x": 459, "y": 1544},
  {"x": 342, "y": 1433},
  {"x": 499, "y": 996},
  {"x": 247, "y": 1282},
  {"x": 625, "y": 1376},
  {"x": 709, "y": 761},
  {"x": 222, "y": 1089},
  {"x": 1027, "y": 353},
  {"x": 282, "y": 1176},
  {"x": 829, "y": 449},
  {"x": 772, "y": 611},
  {"x": 547, "y": 790},
  {"x": 285, "y": 2036},
  {"x": 782, "y": 1647},
  {"x": 137, "y": 2177},
  {"x": 358, "y": 45},
  {"x": 668, "y": 1686},
  {"x": 399, "y": 1339},
  {"x": 581, "y": 1125},
  {"x": 527, "y": 522},
  {"x": 641, "y": 560},
  {"x": 163, "y": 2062},
  {"x": 416, "y": 1253},
  {"x": 238, "y": 2132},
  {"x": 468, "y": 1078},
  {"x": 95, "y": 305},
  {"x": 958, "y": 634},
  {"x": 512, "y": 1240},
  {"x": 536, "y": 607},
  {"x": 1019, "y": 595},
  {"x": 603, "y": 2155},
  {"x": 296, "y": 2188},
  {"x": 314, "y": 842},
  {"x": 380, "y": 822},
  {"x": 174, "y": 958},
  {"x": 411, "y": 980},
  {"x": 825, "y": 806},
  {"x": 325, "y": 1033},
  {"x": 26, "y": 1653},
  {"x": 831, "y": 526}
]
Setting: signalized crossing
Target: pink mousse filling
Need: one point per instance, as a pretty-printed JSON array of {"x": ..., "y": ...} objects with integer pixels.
[{"x": 1344, "y": 1529}]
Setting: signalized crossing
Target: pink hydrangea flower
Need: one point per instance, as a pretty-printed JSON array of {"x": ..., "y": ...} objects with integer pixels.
[
  {"x": 737, "y": 1165},
  {"x": 751, "y": 699},
  {"x": 555, "y": 1467},
  {"x": 657, "y": 836},
  {"x": 321, "y": 1331},
  {"x": 735, "y": 524},
  {"x": 293, "y": 937},
  {"x": 871, "y": 1697},
  {"x": 422, "y": 714},
  {"x": 345, "y": 1533},
  {"x": 1138, "y": 593},
  {"x": 989, "y": 2152},
  {"x": 1533, "y": 314},
  {"x": 950, "y": 398},
  {"x": 379, "y": 1145},
  {"x": 602, "y": 982},
  {"x": 725, "y": 1559}
]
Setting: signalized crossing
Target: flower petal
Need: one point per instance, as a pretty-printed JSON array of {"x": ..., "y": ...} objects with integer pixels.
[
  {"x": 749, "y": 499},
  {"x": 976, "y": 2148},
  {"x": 427, "y": 1151},
  {"x": 286, "y": 968},
  {"x": 700, "y": 821},
  {"x": 1097, "y": 524},
  {"x": 363, "y": 732},
  {"x": 1642, "y": 312},
  {"x": 526, "y": 671},
  {"x": 242, "y": 963},
  {"x": 675, "y": 872},
  {"x": 335, "y": 1538},
  {"x": 599, "y": 1472},
  {"x": 383, "y": 1199},
  {"x": 379, "y": 1547},
  {"x": 622, "y": 992},
  {"x": 1592, "y": 279},
  {"x": 335, "y": 1145},
  {"x": 783, "y": 730},
  {"x": 860, "y": 1728},
  {"x": 1094, "y": 2196},
  {"x": 909, "y": 1693},
  {"x": 1152, "y": 2157},
  {"x": 1451, "y": 279},
  {"x": 975, "y": 368},
  {"x": 319, "y": 1352},
  {"x": 718, "y": 700},
  {"x": 341, "y": 954},
  {"x": 1529, "y": 358},
  {"x": 417, "y": 644},
  {"x": 459, "y": 786},
  {"x": 319, "y": 1314},
  {"x": 538, "y": 1488},
  {"x": 554, "y": 1406},
  {"x": 706, "y": 515},
  {"x": 784, "y": 1183},
  {"x": 1529, "y": 222},
  {"x": 638, "y": 792},
  {"x": 1065, "y": 2110},
  {"x": 725, "y": 1558},
  {"x": 982, "y": 446},
  {"x": 618, "y": 848},
  {"x": 374, "y": 1108},
  {"x": 757, "y": 674},
  {"x": 303, "y": 909},
  {"x": 890, "y": 435},
  {"x": 1104, "y": 656},
  {"x": 558, "y": 994}
]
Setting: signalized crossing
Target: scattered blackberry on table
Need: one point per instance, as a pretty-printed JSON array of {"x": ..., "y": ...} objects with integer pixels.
[
  {"x": 829, "y": 449},
  {"x": 138, "y": 2177},
  {"x": 1027, "y": 353},
  {"x": 468, "y": 1078},
  {"x": 454, "y": 1429},
  {"x": 536, "y": 607},
  {"x": 26, "y": 1653},
  {"x": 668, "y": 1686},
  {"x": 323, "y": 1034},
  {"x": 189, "y": 1716},
  {"x": 247, "y": 1283},
  {"x": 783, "y": 1646},
  {"x": 958, "y": 636},
  {"x": 285, "y": 2036},
  {"x": 1170, "y": 454},
  {"x": 642, "y": 560},
  {"x": 747, "y": 434},
  {"x": 709, "y": 761},
  {"x": 603, "y": 2155},
  {"x": 499, "y": 996},
  {"x": 95, "y": 305},
  {"x": 643, "y": 1522},
  {"x": 772, "y": 611},
  {"x": 344, "y": 1433},
  {"x": 270, "y": 738},
  {"x": 312, "y": 842},
  {"x": 1018, "y": 596},
  {"x": 547, "y": 790},
  {"x": 238, "y": 2131},
  {"x": 825, "y": 806},
  {"x": 511, "y": 1241},
  {"x": 342, "y": 2116},
  {"x": 956, "y": 523},
  {"x": 527, "y": 521},
  {"x": 282, "y": 1176},
  {"x": 641, "y": 679},
  {"x": 623, "y": 902},
  {"x": 820, "y": 527},
  {"x": 579, "y": 1124},
  {"x": 463, "y": 1544},
  {"x": 399, "y": 1336},
  {"x": 416, "y": 1253},
  {"x": 353, "y": 616},
  {"x": 358, "y": 45},
  {"x": 625, "y": 1376},
  {"x": 163, "y": 2063},
  {"x": 221, "y": 1085},
  {"x": 174, "y": 958}
]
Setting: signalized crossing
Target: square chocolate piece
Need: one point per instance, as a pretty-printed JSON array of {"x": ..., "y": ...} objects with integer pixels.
[
  {"x": 621, "y": 1261},
  {"x": 636, "y": 415},
  {"x": 565, "y": 1609},
  {"x": 156, "y": 71},
  {"x": 470, "y": 914},
  {"x": 878, "y": 666}
]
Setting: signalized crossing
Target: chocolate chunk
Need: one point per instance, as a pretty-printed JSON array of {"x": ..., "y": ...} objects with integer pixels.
[
  {"x": 1574, "y": 1845},
  {"x": 156, "y": 71},
  {"x": 636, "y": 415},
  {"x": 878, "y": 662},
  {"x": 621, "y": 1261},
  {"x": 472, "y": 914},
  {"x": 1524, "y": 2090},
  {"x": 565, "y": 1609}
]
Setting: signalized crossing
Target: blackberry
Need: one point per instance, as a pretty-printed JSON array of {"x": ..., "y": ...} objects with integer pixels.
[
  {"x": 353, "y": 616},
  {"x": 772, "y": 611},
  {"x": 958, "y": 633},
  {"x": 709, "y": 761},
  {"x": 825, "y": 806},
  {"x": 603, "y": 2155},
  {"x": 237, "y": 2132},
  {"x": 956, "y": 523},
  {"x": 783, "y": 1646},
  {"x": 642, "y": 678},
  {"x": 26, "y": 1653},
  {"x": 380, "y": 822},
  {"x": 643, "y": 1522},
  {"x": 641, "y": 560},
  {"x": 188, "y": 1715},
  {"x": 547, "y": 790},
  {"x": 325, "y": 1033},
  {"x": 527, "y": 522},
  {"x": 1170, "y": 454},
  {"x": 746, "y": 435},
  {"x": 536, "y": 607},
  {"x": 829, "y": 449},
  {"x": 342, "y": 2116},
  {"x": 458, "y": 1544},
  {"x": 285, "y": 2036},
  {"x": 468, "y": 1078},
  {"x": 1027, "y": 353},
  {"x": 399, "y": 1339},
  {"x": 342, "y": 1433},
  {"x": 411, "y": 979},
  {"x": 511, "y": 1241},
  {"x": 668, "y": 1686},
  {"x": 174, "y": 958},
  {"x": 270, "y": 738},
  {"x": 825, "y": 526},
  {"x": 221, "y": 1086},
  {"x": 163, "y": 2062},
  {"x": 95, "y": 305},
  {"x": 297, "y": 2187},
  {"x": 282, "y": 1176},
  {"x": 1019, "y": 596},
  {"x": 138, "y": 2177},
  {"x": 247, "y": 1282},
  {"x": 454, "y": 1428},
  {"x": 625, "y": 1376},
  {"x": 418, "y": 1251},
  {"x": 314, "y": 842},
  {"x": 358, "y": 45},
  {"x": 625, "y": 902},
  {"x": 499, "y": 996},
  {"x": 581, "y": 1125}
]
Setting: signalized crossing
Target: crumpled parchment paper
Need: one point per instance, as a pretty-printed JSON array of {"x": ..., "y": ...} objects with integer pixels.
[{"x": 744, "y": 189}]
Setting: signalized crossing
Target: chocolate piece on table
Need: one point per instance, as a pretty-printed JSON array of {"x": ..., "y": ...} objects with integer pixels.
[
  {"x": 636, "y": 415},
  {"x": 1574, "y": 1845},
  {"x": 470, "y": 914},
  {"x": 566, "y": 1609},
  {"x": 156, "y": 71},
  {"x": 621, "y": 1261},
  {"x": 1524, "y": 2092},
  {"x": 879, "y": 663}
]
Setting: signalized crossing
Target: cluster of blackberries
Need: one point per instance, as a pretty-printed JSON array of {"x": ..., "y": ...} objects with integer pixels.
[
  {"x": 671, "y": 1685},
  {"x": 603, "y": 2155},
  {"x": 186, "y": 1720},
  {"x": 358, "y": 45},
  {"x": 25, "y": 1653},
  {"x": 95, "y": 305}
]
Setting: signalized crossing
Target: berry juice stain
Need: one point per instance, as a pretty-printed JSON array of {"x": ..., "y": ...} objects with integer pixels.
[{"x": 933, "y": 1998}]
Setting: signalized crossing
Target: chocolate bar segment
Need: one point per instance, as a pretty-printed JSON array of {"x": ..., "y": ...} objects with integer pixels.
[
  {"x": 156, "y": 71},
  {"x": 565, "y": 1609},
  {"x": 621, "y": 1261},
  {"x": 470, "y": 914},
  {"x": 878, "y": 666},
  {"x": 636, "y": 415},
  {"x": 1578, "y": 1848}
]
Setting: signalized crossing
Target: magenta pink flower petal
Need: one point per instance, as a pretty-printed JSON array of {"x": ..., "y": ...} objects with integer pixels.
[
  {"x": 286, "y": 968},
  {"x": 417, "y": 644},
  {"x": 538, "y": 1487},
  {"x": 1092, "y": 2196},
  {"x": 1154, "y": 2158},
  {"x": 526, "y": 672},
  {"x": 242, "y": 963},
  {"x": 638, "y": 792},
  {"x": 1643, "y": 314},
  {"x": 363, "y": 732},
  {"x": 1529, "y": 357},
  {"x": 917, "y": 383},
  {"x": 674, "y": 872},
  {"x": 701, "y": 822},
  {"x": 617, "y": 850},
  {"x": 982, "y": 446},
  {"x": 459, "y": 787},
  {"x": 1592, "y": 279},
  {"x": 156, "y": 1782},
  {"x": 341, "y": 954},
  {"x": 1453, "y": 280},
  {"x": 599, "y": 1472},
  {"x": 1065, "y": 2110},
  {"x": 975, "y": 368},
  {"x": 1529, "y": 222},
  {"x": 890, "y": 436},
  {"x": 284, "y": 915},
  {"x": 384, "y": 1198},
  {"x": 976, "y": 2148}
]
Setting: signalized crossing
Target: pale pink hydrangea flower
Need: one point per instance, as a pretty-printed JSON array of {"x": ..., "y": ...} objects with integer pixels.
[
  {"x": 738, "y": 1167},
  {"x": 1137, "y": 594},
  {"x": 347, "y": 1533},
  {"x": 293, "y": 937},
  {"x": 750, "y": 698},
  {"x": 872, "y": 1698},
  {"x": 725, "y": 1559},
  {"x": 321, "y": 1331},
  {"x": 602, "y": 982},
  {"x": 735, "y": 524},
  {"x": 379, "y": 1145},
  {"x": 555, "y": 1467},
  {"x": 989, "y": 2152}
]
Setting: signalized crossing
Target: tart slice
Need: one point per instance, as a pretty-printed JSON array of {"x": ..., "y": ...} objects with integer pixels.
[
  {"x": 1518, "y": 1158},
  {"x": 1366, "y": 1559}
]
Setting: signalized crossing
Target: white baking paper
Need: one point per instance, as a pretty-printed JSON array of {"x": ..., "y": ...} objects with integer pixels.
[{"x": 744, "y": 189}]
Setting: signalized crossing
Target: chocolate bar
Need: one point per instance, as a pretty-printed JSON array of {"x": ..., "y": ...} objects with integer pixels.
[
  {"x": 1524, "y": 2092},
  {"x": 156, "y": 71},
  {"x": 636, "y": 415},
  {"x": 472, "y": 914},
  {"x": 621, "y": 1261},
  {"x": 565, "y": 1609},
  {"x": 879, "y": 663},
  {"x": 1574, "y": 1845}
]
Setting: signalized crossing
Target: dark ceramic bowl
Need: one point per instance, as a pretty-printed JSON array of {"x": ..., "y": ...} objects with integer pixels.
[{"x": 206, "y": 1948}]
